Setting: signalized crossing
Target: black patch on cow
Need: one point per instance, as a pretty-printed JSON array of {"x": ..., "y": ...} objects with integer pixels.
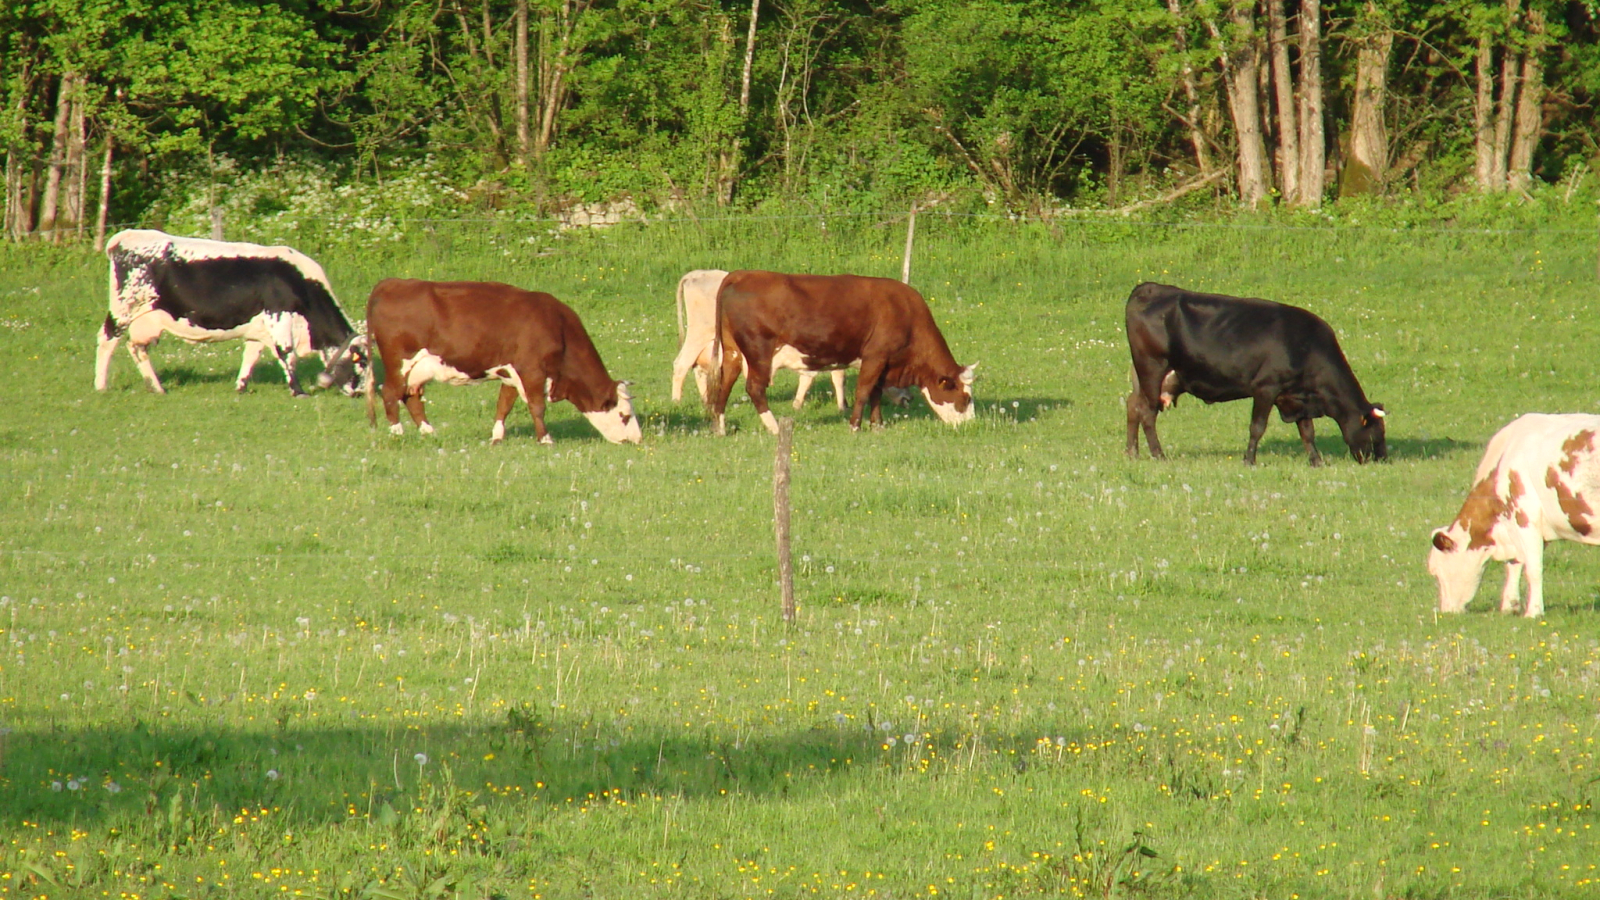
[{"x": 226, "y": 292}]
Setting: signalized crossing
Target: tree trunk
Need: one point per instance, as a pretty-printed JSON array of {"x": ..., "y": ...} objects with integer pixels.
[
  {"x": 77, "y": 169},
  {"x": 1530, "y": 108},
  {"x": 1283, "y": 83},
  {"x": 524, "y": 131},
  {"x": 1483, "y": 118},
  {"x": 733, "y": 158},
  {"x": 488, "y": 35},
  {"x": 1366, "y": 168},
  {"x": 1241, "y": 71},
  {"x": 1313, "y": 146},
  {"x": 1202, "y": 154},
  {"x": 102, "y": 215},
  {"x": 556, "y": 53},
  {"x": 49, "y": 213},
  {"x": 1505, "y": 108}
]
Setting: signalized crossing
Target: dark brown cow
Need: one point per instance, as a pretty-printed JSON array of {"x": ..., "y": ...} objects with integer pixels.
[
  {"x": 820, "y": 322},
  {"x": 461, "y": 332}
]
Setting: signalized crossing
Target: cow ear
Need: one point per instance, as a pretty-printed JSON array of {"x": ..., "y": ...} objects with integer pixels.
[{"x": 1443, "y": 542}]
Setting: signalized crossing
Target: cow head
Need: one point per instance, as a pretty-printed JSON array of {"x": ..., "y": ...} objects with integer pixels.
[
  {"x": 950, "y": 397},
  {"x": 616, "y": 421},
  {"x": 1365, "y": 436},
  {"x": 1457, "y": 566},
  {"x": 347, "y": 366}
]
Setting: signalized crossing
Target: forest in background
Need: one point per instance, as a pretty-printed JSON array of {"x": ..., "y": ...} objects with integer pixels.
[{"x": 161, "y": 111}]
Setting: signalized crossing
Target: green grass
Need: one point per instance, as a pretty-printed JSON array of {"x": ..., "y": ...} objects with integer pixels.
[{"x": 250, "y": 614}]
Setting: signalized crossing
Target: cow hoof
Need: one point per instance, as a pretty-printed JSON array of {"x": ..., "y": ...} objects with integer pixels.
[
  {"x": 397, "y": 429},
  {"x": 547, "y": 440},
  {"x": 1316, "y": 462}
]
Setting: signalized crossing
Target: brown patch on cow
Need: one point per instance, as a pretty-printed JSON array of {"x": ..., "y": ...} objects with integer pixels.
[
  {"x": 1572, "y": 447},
  {"x": 1485, "y": 507},
  {"x": 1575, "y": 507}
]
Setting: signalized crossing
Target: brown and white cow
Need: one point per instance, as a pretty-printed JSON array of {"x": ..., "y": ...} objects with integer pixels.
[
  {"x": 834, "y": 322},
  {"x": 1539, "y": 481},
  {"x": 697, "y": 311},
  {"x": 461, "y": 332}
]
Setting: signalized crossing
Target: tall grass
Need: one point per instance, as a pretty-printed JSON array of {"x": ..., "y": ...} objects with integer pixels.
[{"x": 253, "y": 646}]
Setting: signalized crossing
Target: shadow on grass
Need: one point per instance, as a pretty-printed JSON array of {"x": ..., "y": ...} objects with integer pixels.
[
  {"x": 319, "y": 774},
  {"x": 1331, "y": 446},
  {"x": 322, "y": 775}
]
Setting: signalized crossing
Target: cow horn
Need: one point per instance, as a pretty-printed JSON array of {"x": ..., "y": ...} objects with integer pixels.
[
  {"x": 968, "y": 373},
  {"x": 1378, "y": 413}
]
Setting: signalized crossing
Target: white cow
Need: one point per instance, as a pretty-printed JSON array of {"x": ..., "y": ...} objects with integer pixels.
[
  {"x": 1539, "y": 481},
  {"x": 697, "y": 310}
]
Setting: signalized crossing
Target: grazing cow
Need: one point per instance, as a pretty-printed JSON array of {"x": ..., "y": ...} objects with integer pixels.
[
  {"x": 1222, "y": 348},
  {"x": 273, "y": 298},
  {"x": 832, "y": 322},
  {"x": 697, "y": 309},
  {"x": 461, "y": 332},
  {"x": 1539, "y": 481}
]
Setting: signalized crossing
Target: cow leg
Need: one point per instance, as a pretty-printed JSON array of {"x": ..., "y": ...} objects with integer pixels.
[
  {"x": 1533, "y": 571},
  {"x": 838, "y": 388},
  {"x": 687, "y": 358},
  {"x": 252, "y": 353},
  {"x": 106, "y": 346},
  {"x": 732, "y": 364},
  {"x": 393, "y": 391},
  {"x": 141, "y": 358},
  {"x": 1260, "y": 412},
  {"x": 755, "y": 384},
  {"x": 868, "y": 389},
  {"x": 1308, "y": 436},
  {"x": 1512, "y": 591},
  {"x": 1136, "y": 408},
  {"x": 803, "y": 387},
  {"x": 286, "y": 359},
  {"x": 536, "y": 404},
  {"x": 413, "y": 398},
  {"x": 1147, "y": 381}
]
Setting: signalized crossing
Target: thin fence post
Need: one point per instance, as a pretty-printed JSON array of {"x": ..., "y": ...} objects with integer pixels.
[
  {"x": 780, "y": 514},
  {"x": 911, "y": 234},
  {"x": 216, "y": 222}
]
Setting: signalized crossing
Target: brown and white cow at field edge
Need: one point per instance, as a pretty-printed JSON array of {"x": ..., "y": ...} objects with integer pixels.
[
  {"x": 461, "y": 332},
  {"x": 1539, "y": 481},
  {"x": 828, "y": 322},
  {"x": 697, "y": 310}
]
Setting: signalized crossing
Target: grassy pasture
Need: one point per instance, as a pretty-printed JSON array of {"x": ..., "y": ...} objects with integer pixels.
[{"x": 252, "y": 647}]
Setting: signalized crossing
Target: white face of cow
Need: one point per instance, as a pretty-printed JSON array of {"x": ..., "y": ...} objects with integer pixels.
[
  {"x": 1457, "y": 568},
  {"x": 618, "y": 424},
  {"x": 951, "y": 399},
  {"x": 348, "y": 366}
]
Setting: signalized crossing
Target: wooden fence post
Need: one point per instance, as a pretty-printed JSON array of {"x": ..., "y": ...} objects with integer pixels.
[
  {"x": 780, "y": 514},
  {"x": 911, "y": 233}
]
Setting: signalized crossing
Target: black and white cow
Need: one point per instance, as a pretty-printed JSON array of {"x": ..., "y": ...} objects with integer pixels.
[{"x": 272, "y": 298}]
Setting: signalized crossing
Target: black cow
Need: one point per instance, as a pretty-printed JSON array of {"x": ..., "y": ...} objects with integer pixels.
[
  {"x": 1222, "y": 348},
  {"x": 270, "y": 297}
]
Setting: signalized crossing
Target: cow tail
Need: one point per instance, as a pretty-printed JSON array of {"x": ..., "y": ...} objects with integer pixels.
[
  {"x": 681, "y": 313},
  {"x": 714, "y": 378},
  {"x": 371, "y": 389}
]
